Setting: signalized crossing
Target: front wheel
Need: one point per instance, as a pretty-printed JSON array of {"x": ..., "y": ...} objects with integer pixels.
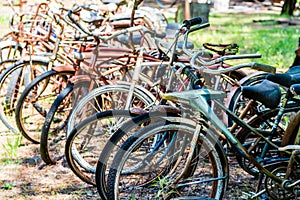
[
  {"x": 86, "y": 141},
  {"x": 36, "y": 100},
  {"x": 152, "y": 162}
]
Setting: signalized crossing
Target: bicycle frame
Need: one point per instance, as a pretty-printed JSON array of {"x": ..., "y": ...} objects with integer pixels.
[{"x": 197, "y": 99}]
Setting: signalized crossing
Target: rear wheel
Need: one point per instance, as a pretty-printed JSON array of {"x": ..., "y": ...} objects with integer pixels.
[{"x": 256, "y": 146}]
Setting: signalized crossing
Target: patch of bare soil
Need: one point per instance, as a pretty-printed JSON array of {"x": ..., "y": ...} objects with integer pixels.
[{"x": 27, "y": 177}]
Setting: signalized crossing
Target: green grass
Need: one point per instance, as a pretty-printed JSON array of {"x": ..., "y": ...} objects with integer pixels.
[
  {"x": 4, "y": 19},
  {"x": 275, "y": 42}
]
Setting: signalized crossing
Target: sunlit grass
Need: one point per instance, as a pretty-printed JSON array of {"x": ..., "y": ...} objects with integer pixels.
[{"x": 276, "y": 42}]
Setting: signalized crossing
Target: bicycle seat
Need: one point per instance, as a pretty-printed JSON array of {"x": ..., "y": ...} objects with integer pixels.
[
  {"x": 122, "y": 16},
  {"x": 92, "y": 18},
  {"x": 295, "y": 88},
  {"x": 189, "y": 45},
  {"x": 290, "y": 77},
  {"x": 267, "y": 92}
]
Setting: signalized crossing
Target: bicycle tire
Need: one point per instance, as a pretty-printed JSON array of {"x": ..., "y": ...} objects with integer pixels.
[
  {"x": 122, "y": 134},
  {"x": 57, "y": 115},
  {"x": 11, "y": 88},
  {"x": 6, "y": 64},
  {"x": 132, "y": 144},
  {"x": 35, "y": 101},
  {"x": 106, "y": 95},
  {"x": 103, "y": 124}
]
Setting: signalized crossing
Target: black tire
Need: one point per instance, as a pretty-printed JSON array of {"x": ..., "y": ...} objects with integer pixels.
[
  {"x": 115, "y": 141},
  {"x": 35, "y": 102},
  {"x": 57, "y": 110},
  {"x": 145, "y": 176},
  {"x": 12, "y": 84},
  {"x": 5, "y": 64},
  {"x": 89, "y": 137}
]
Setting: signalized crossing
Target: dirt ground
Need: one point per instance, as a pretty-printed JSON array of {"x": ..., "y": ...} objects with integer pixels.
[{"x": 25, "y": 176}]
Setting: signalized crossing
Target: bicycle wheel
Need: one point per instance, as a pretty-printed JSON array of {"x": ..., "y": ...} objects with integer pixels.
[
  {"x": 141, "y": 166},
  {"x": 125, "y": 131},
  {"x": 87, "y": 140},
  {"x": 12, "y": 83},
  {"x": 6, "y": 64},
  {"x": 256, "y": 146},
  {"x": 36, "y": 100},
  {"x": 53, "y": 134}
]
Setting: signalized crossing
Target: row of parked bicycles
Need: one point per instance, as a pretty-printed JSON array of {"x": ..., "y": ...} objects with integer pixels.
[{"x": 139, "y": 112}]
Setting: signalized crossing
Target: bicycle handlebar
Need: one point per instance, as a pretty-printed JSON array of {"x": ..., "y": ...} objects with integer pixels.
[
  {"x": 196, "y": 59},
  {"x": 188, "y": 72},
  {"x": 253, "y": 65}
]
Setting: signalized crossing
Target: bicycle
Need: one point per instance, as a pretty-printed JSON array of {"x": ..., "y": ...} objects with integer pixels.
[{"x": 197, "y": 99}]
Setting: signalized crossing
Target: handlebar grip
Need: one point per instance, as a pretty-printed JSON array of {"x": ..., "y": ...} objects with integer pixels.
[
  {"x": 201, "y": 26},
  {"x": 194, "y": 79},
  {"x": 192, "y": 22}
]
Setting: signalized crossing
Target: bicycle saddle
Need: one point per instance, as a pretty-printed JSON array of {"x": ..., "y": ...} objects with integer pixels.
[
  {"x": 290, "y": 77},
  {"x": 295, "y": 89},
  {"x": 267, "y": 92},
  {"x": 93, "y": 18}
]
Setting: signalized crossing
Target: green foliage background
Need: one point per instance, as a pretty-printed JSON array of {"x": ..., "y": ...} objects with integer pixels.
[{"x": 254, "y": 33}]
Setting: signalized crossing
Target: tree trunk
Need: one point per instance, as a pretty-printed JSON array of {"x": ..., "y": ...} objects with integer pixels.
[{"x": 288, "y": 7}]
